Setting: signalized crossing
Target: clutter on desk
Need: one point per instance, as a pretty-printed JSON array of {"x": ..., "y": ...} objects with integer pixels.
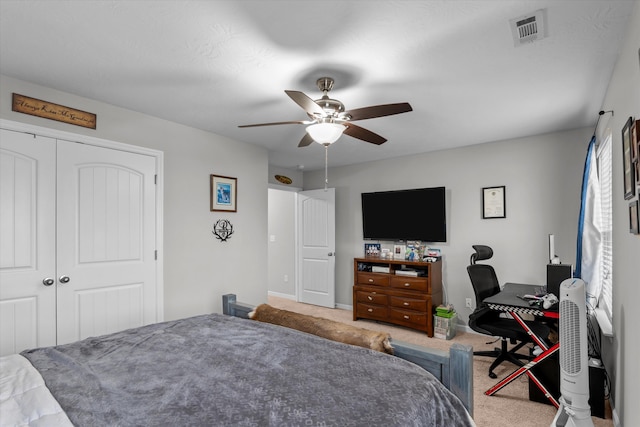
[{"x": 546, "y": 301}]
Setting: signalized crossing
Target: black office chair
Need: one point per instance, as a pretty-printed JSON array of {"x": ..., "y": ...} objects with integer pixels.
[{"x": 489, "y": 322}]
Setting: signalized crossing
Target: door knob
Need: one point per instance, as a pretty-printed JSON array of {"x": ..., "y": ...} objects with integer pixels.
[
  {"x": 48, "y": 281},
  {"x": 64, "y": 279}
]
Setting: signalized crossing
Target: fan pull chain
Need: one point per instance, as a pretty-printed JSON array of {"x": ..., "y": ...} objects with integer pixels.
[{"x": 326, "y": 166}]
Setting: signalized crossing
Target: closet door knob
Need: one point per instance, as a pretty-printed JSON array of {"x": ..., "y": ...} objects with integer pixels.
[
  {"x": 64, "y": 279},
  {"x": 48, "y": 281}
]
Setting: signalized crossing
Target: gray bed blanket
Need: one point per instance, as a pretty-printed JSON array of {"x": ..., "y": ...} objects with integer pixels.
[{"x": 217, "y": 370}]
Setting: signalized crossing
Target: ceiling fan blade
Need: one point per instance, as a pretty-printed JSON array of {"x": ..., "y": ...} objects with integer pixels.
[
  {"x": 378, "y": 111},
  {"x": 307, "y": 104},
  {"x": 363, "y": 134},
  {"x": 298, "y": 122},
  {"x": 306, "y": 140}
]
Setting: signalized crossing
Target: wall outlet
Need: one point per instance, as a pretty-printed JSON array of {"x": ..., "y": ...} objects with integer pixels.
[
  {"x": 468, "y": 302},
  {"x": 286, "y": 277}
]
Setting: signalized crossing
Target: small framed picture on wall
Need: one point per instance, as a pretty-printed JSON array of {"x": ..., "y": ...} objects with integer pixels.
[
  {"x": 635, "y": 152},
  {"x": 223, "y": 191},
  {"x": 494, "y": 202},
  {"x": 628, "y": 167},
  {"x": 634, "y": 220}
]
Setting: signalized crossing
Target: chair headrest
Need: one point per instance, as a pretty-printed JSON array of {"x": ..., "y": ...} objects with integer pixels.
[{"x": 482, "y": 252}]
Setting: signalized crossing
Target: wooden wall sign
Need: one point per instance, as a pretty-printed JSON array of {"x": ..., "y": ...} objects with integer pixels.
[{"x": 49, "y": 110}]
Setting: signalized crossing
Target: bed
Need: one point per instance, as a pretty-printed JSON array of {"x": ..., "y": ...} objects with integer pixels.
[{"x": 224, "y": 370}]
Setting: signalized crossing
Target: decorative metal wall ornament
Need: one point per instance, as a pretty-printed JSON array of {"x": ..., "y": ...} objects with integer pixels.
[{"x": 222, "y": 229}]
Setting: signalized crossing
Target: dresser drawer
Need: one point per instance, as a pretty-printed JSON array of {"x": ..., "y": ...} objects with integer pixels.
[
  {"x": 408, "y": 303},
  {"x": 410, "y": 317},
  {"x": 372, "y": 311},
  {"x": 371, "y": 297},
  {"x": 373, "y": 279},
  {"x": 410, "y": 283}
]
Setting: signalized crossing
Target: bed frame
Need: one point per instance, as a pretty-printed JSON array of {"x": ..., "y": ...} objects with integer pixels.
[{"x": 454, "y": 368}]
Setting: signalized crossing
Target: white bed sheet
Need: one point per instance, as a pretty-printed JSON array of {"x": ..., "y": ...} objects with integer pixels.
[{"x": 25, "y": 400}]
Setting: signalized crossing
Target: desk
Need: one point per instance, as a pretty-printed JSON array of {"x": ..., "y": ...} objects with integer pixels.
[{"x": 507, "y": 300}]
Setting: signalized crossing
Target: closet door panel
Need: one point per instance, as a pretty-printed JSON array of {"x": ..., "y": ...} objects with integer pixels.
[
  {"x": 105, "y": 310},
  {"x": 106, "y": 240},
  {"x": 27, "y": 241},
  {"x": 110, "y": 205}
]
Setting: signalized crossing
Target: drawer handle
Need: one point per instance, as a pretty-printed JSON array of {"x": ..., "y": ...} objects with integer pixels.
[
  {"x": 406, "y": 317},
  {"x": 407, "y": 284},
  {"x": 370, "y": 310},
  {"x": 371, "y": 280},
  {"x": 370, "y": 298},
  {"x": 406, "y": 303}
]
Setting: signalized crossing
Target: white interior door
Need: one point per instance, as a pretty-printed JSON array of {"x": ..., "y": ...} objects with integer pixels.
[
  {"x": 105, "y": 240},
  {"x": 316, "y": 247},
  {"x": 27, "y": 241}
]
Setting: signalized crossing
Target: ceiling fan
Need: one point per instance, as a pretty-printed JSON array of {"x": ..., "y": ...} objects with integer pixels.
[{"x": 329, "y": 120}]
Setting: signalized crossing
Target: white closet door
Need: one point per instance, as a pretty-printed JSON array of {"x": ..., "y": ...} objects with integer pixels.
[
  {"x": 105, "y": 240},
  {"x": 27, "y": 241}
]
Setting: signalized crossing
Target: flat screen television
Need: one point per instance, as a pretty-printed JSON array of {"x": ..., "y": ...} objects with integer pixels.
[{"x": 417, "y": 214}]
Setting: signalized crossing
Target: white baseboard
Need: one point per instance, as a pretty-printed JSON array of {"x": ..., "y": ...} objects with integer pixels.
[
  {"x": 467, "y": 329},
  {"x": 284, "y": 296}
]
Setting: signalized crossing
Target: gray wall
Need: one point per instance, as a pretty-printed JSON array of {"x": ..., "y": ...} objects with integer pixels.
[
  {"x": 621, "y": 357},
  {"x": 281, "y": 252},
  {"x": 198, "y": 268},
  {"x": 542, "y": 175}
]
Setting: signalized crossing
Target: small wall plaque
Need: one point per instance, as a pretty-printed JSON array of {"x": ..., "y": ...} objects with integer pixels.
[
  {"x": 222, "y": 229},
  {"x": 49, "y": 110}
]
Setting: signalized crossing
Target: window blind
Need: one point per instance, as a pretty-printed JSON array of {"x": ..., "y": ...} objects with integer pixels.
[{"x": 605, "y": 178}]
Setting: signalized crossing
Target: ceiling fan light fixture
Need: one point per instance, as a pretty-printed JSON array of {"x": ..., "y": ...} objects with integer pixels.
[{"x": 325, "y": 133}]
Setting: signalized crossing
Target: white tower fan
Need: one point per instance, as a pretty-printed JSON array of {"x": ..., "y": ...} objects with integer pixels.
[{"x": 574, "y": 410}]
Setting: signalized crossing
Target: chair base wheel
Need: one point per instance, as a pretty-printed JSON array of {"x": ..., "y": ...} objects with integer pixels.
[{"x": 492, "y": 375}]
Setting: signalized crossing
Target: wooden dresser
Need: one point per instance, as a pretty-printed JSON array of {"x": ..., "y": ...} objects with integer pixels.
[{"x": 390, "y": 297}]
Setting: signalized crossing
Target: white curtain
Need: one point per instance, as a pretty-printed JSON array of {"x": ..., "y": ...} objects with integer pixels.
[{"x": 589, "y": 253}]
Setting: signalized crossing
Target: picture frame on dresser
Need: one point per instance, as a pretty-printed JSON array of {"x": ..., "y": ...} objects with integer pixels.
[
  {"x": 372, "y": 249},
  {"x": 627, "y": 164},
  {"x": 399, "y": 251}
]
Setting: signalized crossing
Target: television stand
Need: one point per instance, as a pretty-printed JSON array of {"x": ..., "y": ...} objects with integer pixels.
[{"x": 383, "y": 291}]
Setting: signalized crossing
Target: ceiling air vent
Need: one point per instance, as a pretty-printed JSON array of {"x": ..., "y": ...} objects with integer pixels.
[{"x": 529, "y": 28}]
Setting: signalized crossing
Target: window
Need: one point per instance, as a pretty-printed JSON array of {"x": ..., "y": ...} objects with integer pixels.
[{"x": 605, "y": 177}]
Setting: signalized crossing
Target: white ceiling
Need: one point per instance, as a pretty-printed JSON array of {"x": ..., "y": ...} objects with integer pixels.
[{"x": 214, "y": 65}]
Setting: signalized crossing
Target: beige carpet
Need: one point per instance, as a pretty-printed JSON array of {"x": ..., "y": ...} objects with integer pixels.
[{"x": 509, "y": 407}]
